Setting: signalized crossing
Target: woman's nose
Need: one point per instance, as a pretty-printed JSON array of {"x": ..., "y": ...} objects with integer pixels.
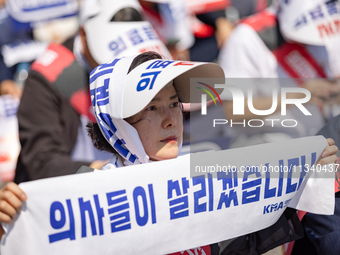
[{"x": 169, "y": 119}]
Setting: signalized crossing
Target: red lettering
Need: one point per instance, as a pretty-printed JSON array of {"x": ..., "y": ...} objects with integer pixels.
[
  {"x": 183, "y": 63},
  {"x": 337, "y": 25},
  {"x": 327, "y": 29},
  {"x": 151, "y": 48}
]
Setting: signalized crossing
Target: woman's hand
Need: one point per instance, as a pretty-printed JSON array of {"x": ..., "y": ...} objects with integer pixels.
[
  {"x": 9, "y": 87},
  {"x": 11, "y": 198},
  {"x": 329, "y": 154}
]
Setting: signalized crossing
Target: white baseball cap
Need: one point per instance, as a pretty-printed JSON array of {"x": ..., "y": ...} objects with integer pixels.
[
  {"x": 311, "y": 22},
  {"x": 122, "y": 95},
  {"x": 109, "y": 39}
]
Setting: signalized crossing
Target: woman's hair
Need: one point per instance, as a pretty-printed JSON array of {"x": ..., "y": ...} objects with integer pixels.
[
  {"x": 127, "y": 14},
  {"x": 93, "y": 129},
  {"x": 141, "y": 58},
  {"x": 98, "y": 139}
]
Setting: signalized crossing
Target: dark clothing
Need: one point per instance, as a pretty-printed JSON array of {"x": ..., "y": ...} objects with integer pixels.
[
  {"x": 286, "y": 229},
  {"x": 210, "y": 18},
  {"x": 5, "y": 72},
  {"x": 332, "y": 130},
  {"x": 205, "y": 48},
  {"x": 12, "y": 32},
  {"x": 48, "y": 124},
  {"x": 322, "y": 233}
]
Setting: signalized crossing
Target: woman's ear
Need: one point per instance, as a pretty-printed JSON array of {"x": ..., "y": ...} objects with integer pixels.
[
  {"x": 85, "y": 49},
  {"x": 82, "y": 33}
]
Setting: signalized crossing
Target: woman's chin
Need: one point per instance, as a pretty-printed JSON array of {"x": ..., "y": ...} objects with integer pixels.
[{"x": 169, "y": 154}]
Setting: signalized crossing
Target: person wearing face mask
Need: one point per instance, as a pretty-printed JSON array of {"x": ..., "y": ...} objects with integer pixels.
[
  {"x": 144, "y": 130},
  {"x": 56, "y": 107}
]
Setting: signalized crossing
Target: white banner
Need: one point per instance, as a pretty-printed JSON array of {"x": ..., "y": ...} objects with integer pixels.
[
  {"x": 22, "y": 52},
  {"x": 41, "y": 10},
  {"x": 9, "y": 138},
  {"x": 159, "y": 208}
]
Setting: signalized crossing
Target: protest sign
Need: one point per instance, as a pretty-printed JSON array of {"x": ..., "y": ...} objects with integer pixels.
[
  {"x": 9, "y": 138},
  {"x": 164, "y": 207},
  {"x": 41, "y": 10}
]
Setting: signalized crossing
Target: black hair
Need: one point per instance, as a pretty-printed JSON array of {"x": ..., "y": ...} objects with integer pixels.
[
  {"x": 93, "y": 129},
  {"x": 127, "y": 14},
  {"x": 141, "y": 58},
  {"x": 98, "y": 139}
]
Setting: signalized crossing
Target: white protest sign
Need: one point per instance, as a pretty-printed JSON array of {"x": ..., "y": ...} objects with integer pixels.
[
  {"x": 9, "y": 137},
  {"x": 122, "y": 39},
  {"x": 159, "y": 208},
  {"x": 310, "y": 22},
  {"x": 41, "y": 10}
]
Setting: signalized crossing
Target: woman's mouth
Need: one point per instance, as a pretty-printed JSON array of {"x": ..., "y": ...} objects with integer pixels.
[{"x": 170, "y": 139}]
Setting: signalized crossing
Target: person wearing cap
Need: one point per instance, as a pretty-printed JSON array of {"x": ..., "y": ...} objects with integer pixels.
[
  {"x": 144, "y": 130},
  {"x": 56, "y": 107},
  {"x": 286, "y": 40}
]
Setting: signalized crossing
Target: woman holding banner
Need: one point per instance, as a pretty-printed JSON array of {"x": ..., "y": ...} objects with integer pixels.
[{"x": 137, "y": 105}]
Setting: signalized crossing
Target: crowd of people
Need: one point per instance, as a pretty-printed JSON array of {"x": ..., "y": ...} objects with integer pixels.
[{"x": 260, "y": 46}]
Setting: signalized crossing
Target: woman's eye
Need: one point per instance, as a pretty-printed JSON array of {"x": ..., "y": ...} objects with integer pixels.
[
  {"x": 151, "y": 108},
  {"x": 174, "y": 105}
]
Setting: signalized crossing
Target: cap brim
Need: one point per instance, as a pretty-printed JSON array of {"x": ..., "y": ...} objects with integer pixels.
[
  {"x": 112, "y": 40},
  {"x": 146, "y": 80},
  {"x": 108, "y": 39}
]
